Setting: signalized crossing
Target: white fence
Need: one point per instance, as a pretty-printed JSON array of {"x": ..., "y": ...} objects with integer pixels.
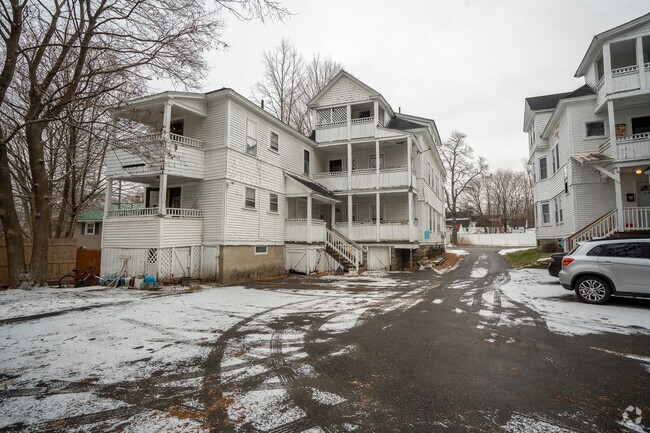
[{"x": 499, "y": 239}]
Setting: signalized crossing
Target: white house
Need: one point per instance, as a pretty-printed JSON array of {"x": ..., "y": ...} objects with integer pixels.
[
  {"x": 590, "y": 148},
  {"x": 234, "y": 194}
]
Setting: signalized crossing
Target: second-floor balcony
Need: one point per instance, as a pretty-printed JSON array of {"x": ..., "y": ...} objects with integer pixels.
[
  {"x": 631, "y": 147},
  {"x": 150, "y": 154},
  {"x": 152, "y": 211},
  {"x": 366, "y": 178}
]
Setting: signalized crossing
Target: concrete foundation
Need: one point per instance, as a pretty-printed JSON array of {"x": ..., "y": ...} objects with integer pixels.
[{"x": 240, "y": 263}]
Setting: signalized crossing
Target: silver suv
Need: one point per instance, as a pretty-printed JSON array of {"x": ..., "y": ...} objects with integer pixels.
[{"x": 598, "y": 269}]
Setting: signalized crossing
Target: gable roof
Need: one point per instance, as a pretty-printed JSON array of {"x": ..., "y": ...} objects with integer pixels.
[
  {"x": 342, "y": 74},
  {"x": 598, "y": 40},
  {"x": 549, "y": 102}
]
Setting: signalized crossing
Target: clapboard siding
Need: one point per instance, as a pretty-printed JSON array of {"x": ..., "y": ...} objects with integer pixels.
[
  {"x": 181, "y": 232},
  {"x": 253, "y": 226},
  {"x": 211, "y": 202},
  {"x": 136, "y": 232},
  {"x": 593, "y": 201},
  {"x": 580, "y": 113}
]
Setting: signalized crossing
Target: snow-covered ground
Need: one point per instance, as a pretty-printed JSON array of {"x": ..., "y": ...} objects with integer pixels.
[
  {"x": 514, "y": 250},
  {"x": 562, "y": 311},
  {"x": 75, "y": 353}
]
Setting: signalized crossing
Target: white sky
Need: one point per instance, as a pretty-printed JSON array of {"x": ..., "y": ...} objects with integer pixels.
[{"x": 467, "y": 64}]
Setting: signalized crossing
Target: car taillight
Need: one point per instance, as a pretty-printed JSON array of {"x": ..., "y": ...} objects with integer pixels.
[{"x": 566, "y": 261}]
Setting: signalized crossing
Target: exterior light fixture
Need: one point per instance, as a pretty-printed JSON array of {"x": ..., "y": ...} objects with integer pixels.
[{"x": 638, "y": 171}]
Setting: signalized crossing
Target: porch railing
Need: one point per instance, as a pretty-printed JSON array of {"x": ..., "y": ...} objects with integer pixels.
[
  {"x": 151, "y": 211},
  {"x": 351, "y": 253},
  {"x": 604, "y": 226},
  {"x": 636, "y": 218},
  {"x": 157, "y": 136}
]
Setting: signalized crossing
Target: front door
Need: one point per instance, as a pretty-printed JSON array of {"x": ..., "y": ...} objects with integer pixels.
[{"x": 644, "y": 194}]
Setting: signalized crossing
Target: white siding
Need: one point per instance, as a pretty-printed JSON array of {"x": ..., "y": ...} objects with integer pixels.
[
  {"x": 136, "y": 232},
  {"x": 378, "y": 258},
  {"x": 211, "y": 202},
  {"x": 343, "y": 92},
  {"x": 592, "y": 201},
  {"x": 180, "y": 232},
  {"x": 581, "y": 113}
]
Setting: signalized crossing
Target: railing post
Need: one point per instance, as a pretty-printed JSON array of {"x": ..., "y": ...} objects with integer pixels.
[
  {"x": 640, "y": 63},
  {"x": 108, "y": 200}
]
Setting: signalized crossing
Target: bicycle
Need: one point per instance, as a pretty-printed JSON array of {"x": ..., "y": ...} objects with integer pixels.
[{"x": 79, "y": 279}]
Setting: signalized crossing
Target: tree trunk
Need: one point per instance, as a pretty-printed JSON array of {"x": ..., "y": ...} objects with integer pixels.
[
  {"x": 42, "y": 204},
  {"x": 13, "y": 233},
  {"x": 454, "y": 228}
]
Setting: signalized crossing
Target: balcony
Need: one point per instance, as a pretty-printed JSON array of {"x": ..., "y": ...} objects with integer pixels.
[
  {"x": 389, "y": 231},
  {"x": 147, "y": 228},
  {"x": 147, "y": 155},
  {"x": 633, "y": 147},
  {"x": 298, "y": 230},
  {"x": 366, "y": 179}
]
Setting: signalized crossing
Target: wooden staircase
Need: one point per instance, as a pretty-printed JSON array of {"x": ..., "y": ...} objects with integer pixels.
[{"x": 345, "y": 251}]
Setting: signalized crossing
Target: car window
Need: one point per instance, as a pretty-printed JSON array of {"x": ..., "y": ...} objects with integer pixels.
[
  {"x": 625, "y": 249},
  {"x": 596, "y": 251}
]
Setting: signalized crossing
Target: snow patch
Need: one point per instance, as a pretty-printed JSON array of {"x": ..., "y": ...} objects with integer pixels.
[{"x": 514, "y": 250}]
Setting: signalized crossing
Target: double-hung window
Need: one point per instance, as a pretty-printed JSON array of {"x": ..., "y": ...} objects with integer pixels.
[
  {"x": 251, "y": 137},
  {"x": 546, "y": 213},
  {"x": 273, "y": 202},
  {"x": 595, "y": 129},
  {"x": 275, "y": 141},
  {"x": 249, "y": 202},
  {"x": 555, "y": 156},
  {"x": 373, "y": 161},
  {"x": 88, "y": 229},
  {"x": 305, "y": 162},
  {"x": 543, "y": 169}
]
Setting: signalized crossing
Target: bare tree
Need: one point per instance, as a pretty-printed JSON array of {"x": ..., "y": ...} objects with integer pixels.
[
  {"x": 71, "y": 51},
  {"x": 289, "y": 83},
  {"x": 462, "y": 168}
]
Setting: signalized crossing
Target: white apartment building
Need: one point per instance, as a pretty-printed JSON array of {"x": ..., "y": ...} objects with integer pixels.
[
  {"x": 590, "y": 149},
  {"x": 233, "y": 194}
]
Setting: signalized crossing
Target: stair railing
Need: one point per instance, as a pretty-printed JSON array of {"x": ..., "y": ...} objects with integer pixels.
[
  {"x": 348, "y": 251},
  {"x": 348, "y": 240},
  {"x": 604, "y": 226}
]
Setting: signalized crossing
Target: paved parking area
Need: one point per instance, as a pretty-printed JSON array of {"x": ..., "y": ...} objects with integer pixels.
[{"x": 480, "y": 348}]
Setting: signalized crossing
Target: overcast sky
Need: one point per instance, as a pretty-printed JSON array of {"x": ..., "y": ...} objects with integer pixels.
[{"x": 466, "y": 64}]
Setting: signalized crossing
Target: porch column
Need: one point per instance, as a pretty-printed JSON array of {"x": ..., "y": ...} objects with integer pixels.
[
  {"x": 350, "y": 216},
  {"x": 349, "y": 165},
  {"x": 378, "y": 215},
  {"x": 162, "y": 194},
  {"x": 409, "y": 164},
  {"x": 309, "y": 218},
  {"x": 410, "y": 193},
  {"x": 377, "y": 164},
  {"x": 333, "y": 217},
  {"x": 167, "y": 119},
  {"x": 619, "y": 199},
  {"x": 108, "y": 200},
  {"x": 611, "y": 118},
  {"x": 640, "y": 64},
  {"x": 607, "y": 66},
  {"x": 376, "y": 108}
]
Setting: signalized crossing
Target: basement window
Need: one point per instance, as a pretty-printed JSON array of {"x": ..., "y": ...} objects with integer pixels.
[{"x": 261, "y": 249}]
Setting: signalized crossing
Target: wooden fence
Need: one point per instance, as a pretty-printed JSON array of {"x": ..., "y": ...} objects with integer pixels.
[
  {"x": 87, "y": 258},
  {"x": 62, "y": 259}
]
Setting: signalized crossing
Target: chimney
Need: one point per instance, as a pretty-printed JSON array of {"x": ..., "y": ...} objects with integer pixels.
[
  {"x": 399, "y": 110},
  {"x": 262, "y": 104}
]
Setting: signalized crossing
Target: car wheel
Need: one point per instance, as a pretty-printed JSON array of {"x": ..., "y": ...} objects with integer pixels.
[{"x": 593, "y": 290}]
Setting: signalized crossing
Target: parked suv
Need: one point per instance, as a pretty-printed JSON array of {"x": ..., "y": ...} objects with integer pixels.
[{"x": 598, "y": 269}]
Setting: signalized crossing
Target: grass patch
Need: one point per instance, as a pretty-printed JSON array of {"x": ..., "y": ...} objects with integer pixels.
[{"x": 526, "y": 258}]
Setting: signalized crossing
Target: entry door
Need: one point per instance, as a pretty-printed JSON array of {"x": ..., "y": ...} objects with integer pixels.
[{"x": 644, "y": 194}]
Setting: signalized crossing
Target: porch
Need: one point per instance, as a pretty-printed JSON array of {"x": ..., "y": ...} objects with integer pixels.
[
  {"x": 347, "y": 122},
  {"x": 635, "y": 220},
  {"x": 381, "y": 163}
]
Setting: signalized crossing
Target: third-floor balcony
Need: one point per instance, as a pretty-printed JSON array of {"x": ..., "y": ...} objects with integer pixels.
[{"x": 631, "y": 147}]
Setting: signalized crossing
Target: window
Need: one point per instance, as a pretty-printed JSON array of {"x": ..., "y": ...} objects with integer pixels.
[
  {"x": 354, "y": 162},
  {"x": 373, "y": 161},
  {"x": 559, "y": 217},
  {"x": 546, "y": 213},
  {"x": 305, "y": 163},
  {"x": 595, "y": 129},
  {"x": 429, "y": 173},
  {"x": 536, "y": 217},
  {"x": 261, "y": 249},
  {"x": 532, "y": 169},
  {"x": 249, "y": 203},
  {"x": 430, "y": 219},
  {"x": 273, "y": 203},
  {"x": 531, "y": 135},
  {"x": 88, "y": 229},
  {"x": 640, "y": 125},
  {"x": 251, "y": 137},
  {"x": 274, "y": 141},
  {"x": 632, "y": 250},
  {"x": 354, "y": 213},
  {"x": 543, "y": 170},
  {"x": 364, "y": 114},
  {"x": 596, "y": 251},
  {"x": 336, "y": 165},
  {"x": 555, "y": 156}
]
